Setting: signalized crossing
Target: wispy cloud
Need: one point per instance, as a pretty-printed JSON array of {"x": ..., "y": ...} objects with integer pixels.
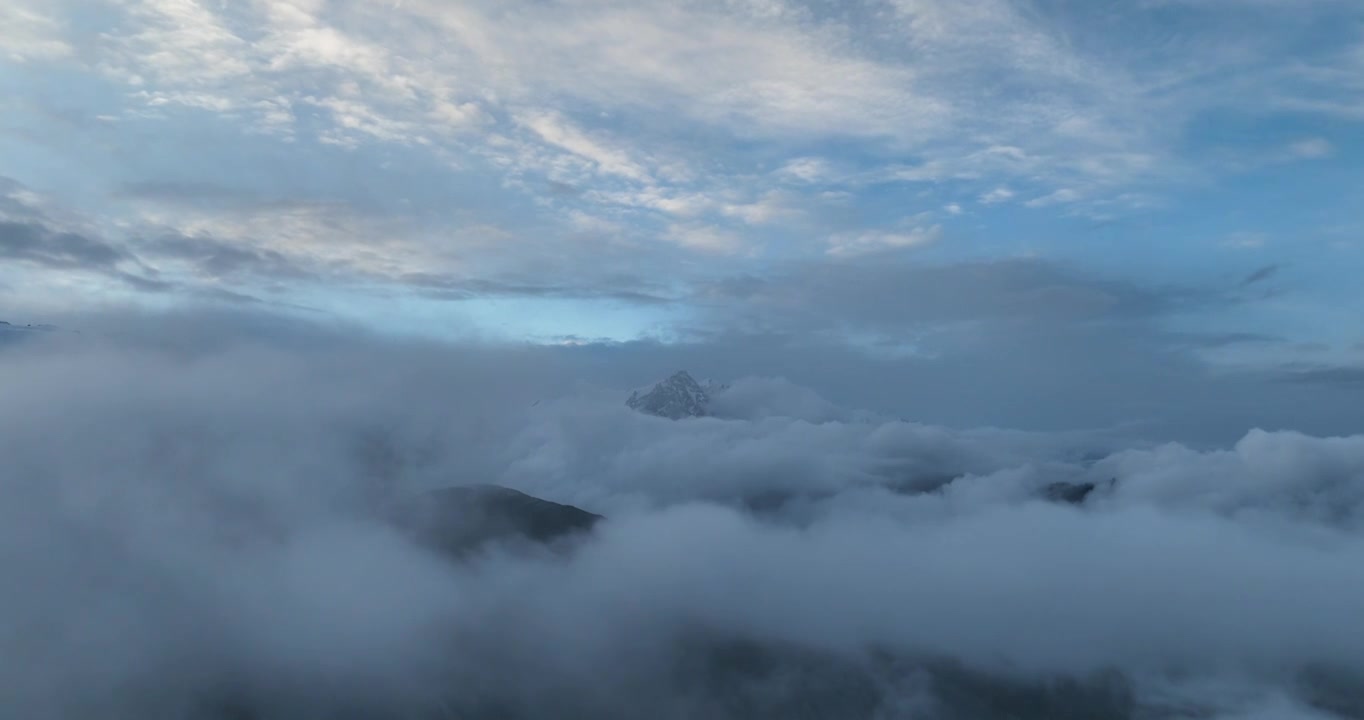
[
  {"x": 29, "y": 33},
  {"x": 555, "y": 130}
]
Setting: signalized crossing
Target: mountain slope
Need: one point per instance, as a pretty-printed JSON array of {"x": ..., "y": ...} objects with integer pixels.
[{"x": 456, "y": 520}]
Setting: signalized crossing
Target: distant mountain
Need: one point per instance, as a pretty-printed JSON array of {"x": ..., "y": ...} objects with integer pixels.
[
  {"x": 456, "y": 520},
  {"x": 677, "y": 397},
  {"x": 11, "y": 327},
  {"x": 16, "y": 333},
  {"x": 1074, "y": 493}
]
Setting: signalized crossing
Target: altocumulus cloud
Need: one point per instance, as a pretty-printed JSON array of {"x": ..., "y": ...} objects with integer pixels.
[{"x": 187, "y": 530}]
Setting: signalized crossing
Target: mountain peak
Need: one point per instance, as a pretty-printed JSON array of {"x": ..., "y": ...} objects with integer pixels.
[{"x": 675, "y": 398}]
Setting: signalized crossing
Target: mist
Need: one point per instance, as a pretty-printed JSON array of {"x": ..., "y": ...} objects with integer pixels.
[{"x": 188, "y": 529}]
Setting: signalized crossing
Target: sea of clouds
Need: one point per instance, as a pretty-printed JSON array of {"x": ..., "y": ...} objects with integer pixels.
[{"x": 186, "y": 531}]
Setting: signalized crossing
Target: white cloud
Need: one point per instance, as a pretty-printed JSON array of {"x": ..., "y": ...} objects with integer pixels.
[
  {"x": 772, "y": 207},
  {"x": 417, "y": 71},
  {"x": 996, "y": 196},
  {"x": 705, "y": 238},
  {"x": 872, "y": 241},
  {"x": 1311, "y": 148},
  {"x": 1060, "y": 197},
  {"x": 1246, "y": 240},
  {"x": 762, "y": 76},
  {"x": 587, "y": 223},
  {"x": 28, "y": 33},
  {"x": 181, "y": 46},
  {"x": 261, "y": 59},
  {"x": 806, "y": 169},
  {"x": 555, "y": 130},
  {"x": 326, "y": 238},
  {"x": 957, "y": 89},
  {"x": 678, "y": 204}
]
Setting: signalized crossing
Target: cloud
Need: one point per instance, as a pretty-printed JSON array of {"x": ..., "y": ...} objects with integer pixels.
[
  {"x": 706, "y": 238},
  {"x": 363, "y": 144},
  {"x": 1261, "y": 275},
  {"x": 1342, "y": 376},
  {"x": 1312, "y": 148},
  {"x": 771, "y": 207},
  {"x": 894, "y": 291},
  {"x": 219, "y": 260},
  {"x": 186, "y": 504},
  {"x": 755, "y": 398},
  {"x": 56, "y": 245},
  {"x": 629, "y": 289},
  {"x": 982, "y": 94},
  {"x": 27, "y": 33},
  {"x": 555, "y": 131},
  {"x": 322, "y": 234},
  {"x": 806, "y": 169},
  {"x": 1062, "y": 196},
  {"x": 428, "y": 75},
  {"x": 1021, "y": 342},
  {"x": 873, "y": 241},
  {"x": 1245, "y": 240},
  {"x": 35, "y": 243},
  {"x": 214, "y": 241},
  {"x": 996, "y": 196}
]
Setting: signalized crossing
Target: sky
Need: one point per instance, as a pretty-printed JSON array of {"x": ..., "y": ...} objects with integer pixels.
[
  {"x": 1055, "y": 194},
  {"x": 269, "y": 266}
]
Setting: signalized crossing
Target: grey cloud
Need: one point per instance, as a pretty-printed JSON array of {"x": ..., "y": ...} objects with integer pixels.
[
  {"x": 59, "y": 250},
  {"x": 896, "y": 292},
  {"x": 28, "y": 234},
  {"x": 1023, "y": 342},
  {"x": 225, "y": 260},
  {"x": 39, "y": 244},
  {"x": 562, "y": 189},
  {"x": 1121, "y": 379},
  {"x": 1261, "y": 275},
  {"x": 1339, "y": 376},
  {"x": 753, "y": 398},
  {"x": 1228, "y": 339},
  {"x": 145, "y": 284},
  {"x": 613, "y": 287}
]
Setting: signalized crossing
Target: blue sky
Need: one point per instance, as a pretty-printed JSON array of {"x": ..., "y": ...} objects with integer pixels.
[{"x": 569, "y": 171}]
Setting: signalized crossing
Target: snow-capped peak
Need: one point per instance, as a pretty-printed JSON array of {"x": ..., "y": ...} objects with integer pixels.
[{"x": 676, "y": 397}]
